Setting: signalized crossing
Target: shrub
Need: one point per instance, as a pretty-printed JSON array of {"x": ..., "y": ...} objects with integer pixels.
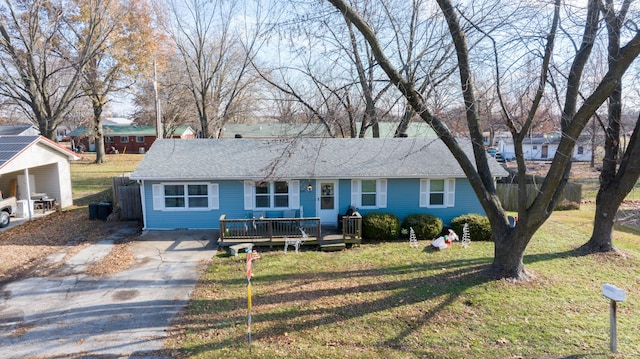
[
  {"x": 479, "y": 227},
  {"x": 425, "y": 226},
  {"x": 379, "y": 226}
]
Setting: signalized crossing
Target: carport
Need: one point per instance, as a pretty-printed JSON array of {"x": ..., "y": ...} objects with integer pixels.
[{"x": 36, "y": 171}]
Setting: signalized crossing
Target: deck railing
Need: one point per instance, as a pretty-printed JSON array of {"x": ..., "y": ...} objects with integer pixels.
[
  {"x": 267, "y": 229},
  {"x": 352, "y": 228}
]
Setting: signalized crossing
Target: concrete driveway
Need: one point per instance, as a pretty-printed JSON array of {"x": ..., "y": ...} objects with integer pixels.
[{"x": 70, "y": 314}]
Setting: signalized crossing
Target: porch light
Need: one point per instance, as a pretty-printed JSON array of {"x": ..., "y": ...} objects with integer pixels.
[{"x": 309, "y": 187}]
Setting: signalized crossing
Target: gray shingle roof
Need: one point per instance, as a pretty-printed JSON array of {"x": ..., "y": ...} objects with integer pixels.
[
  {"x": 15, "y": 130},
  {"x": 301, "y": 158}
]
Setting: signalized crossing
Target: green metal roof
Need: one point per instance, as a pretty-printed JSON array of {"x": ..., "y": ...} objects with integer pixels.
[{"x": 132, "y": 130}]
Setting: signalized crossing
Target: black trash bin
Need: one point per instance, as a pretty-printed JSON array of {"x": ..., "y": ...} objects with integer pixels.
[
  {"x": 104, "y": 210},
  {"x": 93, "y": 210}
]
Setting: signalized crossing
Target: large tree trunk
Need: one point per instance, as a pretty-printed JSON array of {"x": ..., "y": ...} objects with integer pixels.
[
  {"x": 619, "y": 174},
  {"x": 509, "y": 247},
  {"x": 601, "y": 237},
  {"x": 98, "y": 136}
]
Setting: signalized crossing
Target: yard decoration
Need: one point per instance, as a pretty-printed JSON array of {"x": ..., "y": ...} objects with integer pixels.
[
  {"x": 466, "y": 237},
  {"x": 296, "y": 242},
  {"x": 413, "y": 241},
  {"x": 443, "y": 242},
  {"x": 251, "y": 255},
  {"x": 452, "y": 236}
]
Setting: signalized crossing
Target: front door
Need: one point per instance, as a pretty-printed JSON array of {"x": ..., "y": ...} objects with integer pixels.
[{"x": 327, "y": 198}]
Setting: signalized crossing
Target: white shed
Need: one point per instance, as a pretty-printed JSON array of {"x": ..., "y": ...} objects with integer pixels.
[{"x": 33, "y": 168}]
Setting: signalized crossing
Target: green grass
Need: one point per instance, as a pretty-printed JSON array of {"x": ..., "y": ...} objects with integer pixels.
[
  {"x": 92, "y": 182},
  {"x": 388, "y": 300}
]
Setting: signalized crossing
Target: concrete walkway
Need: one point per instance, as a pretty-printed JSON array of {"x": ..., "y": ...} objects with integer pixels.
[{"x": 70, "y": 314}]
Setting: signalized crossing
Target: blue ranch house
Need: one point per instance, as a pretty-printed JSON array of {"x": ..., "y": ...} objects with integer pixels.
[{"x": 193, "y": 183}]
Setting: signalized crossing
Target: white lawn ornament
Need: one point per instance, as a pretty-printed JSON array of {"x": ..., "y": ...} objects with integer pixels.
[
  {"x": 296, "y": 242},
  {"x": 413, "y": 241},
  {"x": 466, "y": 237},
  {"x": 441, "y": 242},
  {"x": 452, "y": 236}
]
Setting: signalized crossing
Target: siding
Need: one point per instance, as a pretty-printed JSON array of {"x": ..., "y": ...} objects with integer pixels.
[
  {"x": 231, "y": 194},
  {"x": 402, "y": 200}
]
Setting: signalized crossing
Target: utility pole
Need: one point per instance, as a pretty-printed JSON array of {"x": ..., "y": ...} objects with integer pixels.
[{"x": 159, "y": 132}]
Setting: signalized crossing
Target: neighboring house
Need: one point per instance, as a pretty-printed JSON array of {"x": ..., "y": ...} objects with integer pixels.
[
  {"x": 190, "y": 184},
  {"x": 34, "y": 167},
  {"x": 19, "y": 130},
  {"x": 544, "y": 147},
  {"x": 129, "y": 139}
]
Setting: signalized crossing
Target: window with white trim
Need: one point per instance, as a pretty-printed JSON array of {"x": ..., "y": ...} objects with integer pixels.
[
  {"x": 369, "y": 193},
  {"x": 272, "y": 194},
  {"x": 437, "y": 192},
  {"x": 108, "y": 139},
  {"x": 124, "y": 139},
  {"x": 139, "y": 139},
  {"x": 185, "y": 196},
  {"x": 267, "y": 195}
]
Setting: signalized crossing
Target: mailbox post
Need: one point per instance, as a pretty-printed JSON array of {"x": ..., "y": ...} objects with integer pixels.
[{"x": 615, "y": 295}]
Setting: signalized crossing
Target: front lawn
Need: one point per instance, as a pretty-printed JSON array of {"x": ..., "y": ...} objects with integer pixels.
[{"x": 389, "y": 300}]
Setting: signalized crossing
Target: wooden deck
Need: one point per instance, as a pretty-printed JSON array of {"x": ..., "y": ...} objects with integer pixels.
[{"x": 277, "y": 231}]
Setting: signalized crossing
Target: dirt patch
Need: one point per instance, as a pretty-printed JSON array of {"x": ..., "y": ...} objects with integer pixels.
[{"x": 25, "y": 250}]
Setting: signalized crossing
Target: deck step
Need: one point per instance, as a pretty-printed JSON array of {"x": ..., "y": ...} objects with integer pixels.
[{"x": 332, "y": 246}]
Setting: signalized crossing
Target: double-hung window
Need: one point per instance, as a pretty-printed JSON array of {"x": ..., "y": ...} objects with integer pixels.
[
  {"x": 437, "y": 192},
  {"x": 369, "y": 193},
  {"x": 271, "y": 195},
  {"x": 185, "y": 196}
]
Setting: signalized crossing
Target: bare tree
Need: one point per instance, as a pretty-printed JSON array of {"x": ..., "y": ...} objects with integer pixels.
[
  {"x": 511, "y": 242},
  {"x": 619, "y": 173},
  {"x": 127, "y": 36},
  {"x": 215, "y": 57},
  {"x": 42, "y": 58}
]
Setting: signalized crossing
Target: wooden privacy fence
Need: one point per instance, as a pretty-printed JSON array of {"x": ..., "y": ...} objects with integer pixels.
[
  {"x": 126, "y": 198},
  {"x": 508, "y": 194}
]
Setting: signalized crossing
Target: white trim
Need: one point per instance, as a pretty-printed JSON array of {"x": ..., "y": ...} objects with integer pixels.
[
  {"x": 248, "y": 195},
  {"x": 424, "y": 193},
  {"x": 450, "y": 192},
  {"x": 355, "y": 193},
  {"x": 381, "y": 193},
  {"x": 214, "y": 196},
  {"x": 159, "y": 197},
  {"x": 144, "y": 205},
  {"x": 294, "y": 194},
  {"x": 157, "y": 191}
]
